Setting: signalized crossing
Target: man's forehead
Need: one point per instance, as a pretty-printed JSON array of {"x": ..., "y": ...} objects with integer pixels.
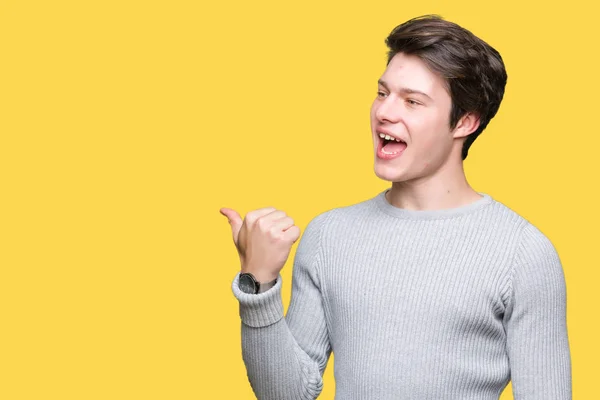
[{"x": 410, "y": 72}]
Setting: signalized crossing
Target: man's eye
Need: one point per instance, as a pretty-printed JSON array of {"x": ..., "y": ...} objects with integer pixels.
[
  {"x": 412, "y": 102},
  {"x": 381, "y": 94}
]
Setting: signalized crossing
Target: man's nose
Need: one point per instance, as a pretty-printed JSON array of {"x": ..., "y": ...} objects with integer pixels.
[{"x": 388, "y": 110}]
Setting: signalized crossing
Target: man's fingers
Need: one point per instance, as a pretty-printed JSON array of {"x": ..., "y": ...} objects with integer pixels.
[
  {"x": 283, "y": 224},
  {"x": 292, "y": 234},
  {"x": 254, "y": 215},
  {"x": 269, "y": 220},
  {"x": 237, "y": 222}
]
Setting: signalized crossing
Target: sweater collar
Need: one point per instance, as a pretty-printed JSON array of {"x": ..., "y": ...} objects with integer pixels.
[{"x": 394, "y": 211}]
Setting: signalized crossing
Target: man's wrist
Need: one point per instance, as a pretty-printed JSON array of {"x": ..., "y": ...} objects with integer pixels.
[
  {"x": 259, "y": 310},
  {"x": 259, "y": 273}
]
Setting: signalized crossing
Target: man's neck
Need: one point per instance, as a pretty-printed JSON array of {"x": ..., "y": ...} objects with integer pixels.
[{"x": 443, "y": 190}]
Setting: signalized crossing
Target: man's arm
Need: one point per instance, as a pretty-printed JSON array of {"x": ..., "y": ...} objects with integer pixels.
[
  {"x": 535, "y": 322},
  {"x": 285, "y": 357}
]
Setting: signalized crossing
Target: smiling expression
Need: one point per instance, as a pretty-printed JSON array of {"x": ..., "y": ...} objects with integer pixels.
[{"x": 412, "y": 105}]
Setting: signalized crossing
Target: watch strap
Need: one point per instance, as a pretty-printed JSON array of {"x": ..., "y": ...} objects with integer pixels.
[{"x": 263, "y": 287}]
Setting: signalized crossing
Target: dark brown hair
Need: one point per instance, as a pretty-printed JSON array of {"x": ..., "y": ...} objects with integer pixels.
[{"x": 473, "y": 70}]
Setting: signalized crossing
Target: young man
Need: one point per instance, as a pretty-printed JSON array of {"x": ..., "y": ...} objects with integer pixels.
[{"x": 429, "y": 290}]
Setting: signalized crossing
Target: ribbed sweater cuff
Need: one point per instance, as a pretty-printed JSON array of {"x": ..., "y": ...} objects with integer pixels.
[{"x": 259, "y": 310}]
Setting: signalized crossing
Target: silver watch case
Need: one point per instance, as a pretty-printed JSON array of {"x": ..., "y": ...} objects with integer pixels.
[{"x": 249, "y": 284}]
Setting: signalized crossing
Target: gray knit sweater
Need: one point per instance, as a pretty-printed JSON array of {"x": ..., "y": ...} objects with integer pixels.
[{"x": 438, "y": 305}]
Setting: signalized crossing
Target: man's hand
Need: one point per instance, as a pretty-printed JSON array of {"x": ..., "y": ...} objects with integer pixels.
[{"x": 263, "y": 240}]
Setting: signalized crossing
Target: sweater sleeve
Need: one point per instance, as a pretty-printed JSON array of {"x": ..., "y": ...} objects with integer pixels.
[
  {"x": 535, "y": 322},
  {"x": 285, "y": 357}
]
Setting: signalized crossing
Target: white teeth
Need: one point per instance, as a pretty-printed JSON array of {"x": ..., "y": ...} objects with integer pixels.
[{"x": 388, "y": 137}]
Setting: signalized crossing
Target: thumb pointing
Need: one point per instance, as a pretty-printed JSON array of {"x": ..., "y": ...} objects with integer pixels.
[{"x": 235, "y": 220}]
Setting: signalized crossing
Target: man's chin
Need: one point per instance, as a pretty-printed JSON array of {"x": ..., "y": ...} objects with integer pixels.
[{"x": 388, "y": 174}]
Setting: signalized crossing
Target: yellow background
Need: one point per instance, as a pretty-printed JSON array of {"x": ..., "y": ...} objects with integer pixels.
[{"x": 126, "y": 125}]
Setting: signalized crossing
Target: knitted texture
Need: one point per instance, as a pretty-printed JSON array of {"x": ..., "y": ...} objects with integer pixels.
[{"x": 418, "y": 305}]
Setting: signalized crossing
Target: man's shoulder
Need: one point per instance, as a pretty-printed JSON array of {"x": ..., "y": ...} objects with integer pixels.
[
  {"x": 506, "y": 215},
  {"x": 343, "y": 213},
  {"x": 531, "y": 239}
]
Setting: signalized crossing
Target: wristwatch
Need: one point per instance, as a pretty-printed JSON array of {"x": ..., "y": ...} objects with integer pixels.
[{"x": 249, "y": 284}]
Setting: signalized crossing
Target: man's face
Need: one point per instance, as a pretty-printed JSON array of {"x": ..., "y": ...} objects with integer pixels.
[{"x": 412, "y": 105}]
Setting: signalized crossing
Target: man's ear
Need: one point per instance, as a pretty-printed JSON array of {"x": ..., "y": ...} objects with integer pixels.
[{"x": 467, "y": 124}]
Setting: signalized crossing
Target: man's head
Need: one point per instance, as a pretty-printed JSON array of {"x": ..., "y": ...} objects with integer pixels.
[{"x": 427, "y": 54}]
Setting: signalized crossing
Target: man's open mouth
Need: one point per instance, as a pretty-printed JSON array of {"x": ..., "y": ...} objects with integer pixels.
[{"x": 391, "y": 145}]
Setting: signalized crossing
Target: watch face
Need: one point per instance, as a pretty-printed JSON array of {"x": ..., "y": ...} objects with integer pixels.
[{"x": 247, "y": 284}]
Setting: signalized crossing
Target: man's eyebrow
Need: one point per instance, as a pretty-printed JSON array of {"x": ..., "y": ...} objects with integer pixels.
[{"x": 404, "y": 89}]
